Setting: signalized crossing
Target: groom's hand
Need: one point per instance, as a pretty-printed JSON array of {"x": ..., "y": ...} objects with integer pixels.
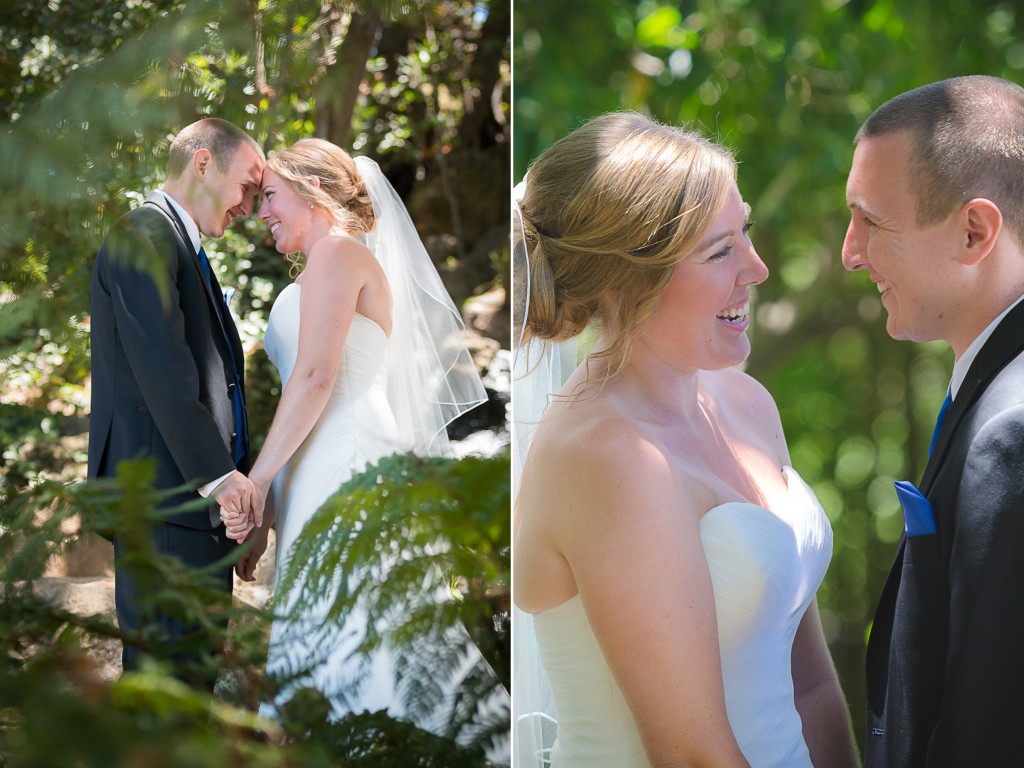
[{"x": 237, "y": 495}]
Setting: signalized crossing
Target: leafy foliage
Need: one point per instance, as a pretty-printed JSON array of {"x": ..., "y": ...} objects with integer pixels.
[
  {"x": 786, "y": 85},
  {"x": 55, "y": 709},
  {"x": 423, "y": 546}
]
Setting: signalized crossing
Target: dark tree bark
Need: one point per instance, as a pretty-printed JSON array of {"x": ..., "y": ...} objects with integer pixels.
[
  {"x": 482, "y": 122},
  {"x": 338, "y": 87}
]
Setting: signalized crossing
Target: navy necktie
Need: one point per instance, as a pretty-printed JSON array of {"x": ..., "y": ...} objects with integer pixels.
[
  {"x": 240, "y": 438},
  {"x": 206, "y": 264},
  {"x": 938, "y": 421}
]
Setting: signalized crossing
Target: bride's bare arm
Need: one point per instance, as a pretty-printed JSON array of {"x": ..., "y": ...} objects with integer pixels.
[
  {"x": 330, "y": 285},
  {"x": 630, "y": 536},
  {"x": 819, "y": 698}
]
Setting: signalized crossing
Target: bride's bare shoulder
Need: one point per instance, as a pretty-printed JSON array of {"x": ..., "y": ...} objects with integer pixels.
[
  {"x": 338, "y": 256},
  {"x": 591, "y": 443},
  {"x": 340, "y": 244}
]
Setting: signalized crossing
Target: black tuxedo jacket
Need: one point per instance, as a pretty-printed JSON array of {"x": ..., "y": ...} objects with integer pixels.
[
  {"x": 945, "y": 662},
  {"x": 162, "y": 376}
]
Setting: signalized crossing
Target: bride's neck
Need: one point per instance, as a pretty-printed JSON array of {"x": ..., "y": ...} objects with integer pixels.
[
  {"x": 658, "y": 383},
  {"x": 321, "y": 228}
]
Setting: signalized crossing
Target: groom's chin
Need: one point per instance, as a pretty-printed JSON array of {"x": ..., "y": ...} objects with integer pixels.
[{"x": 902, "y": 333}]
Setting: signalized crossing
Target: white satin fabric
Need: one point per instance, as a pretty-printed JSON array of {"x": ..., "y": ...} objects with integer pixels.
[
  {"x": 765, "y": 569},
  {"x": 355, "y": 428}
]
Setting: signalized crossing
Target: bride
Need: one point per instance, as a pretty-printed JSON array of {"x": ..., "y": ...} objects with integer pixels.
[
  {"x": 373, "y": 362},
  {"x": 664, "y": 552}
]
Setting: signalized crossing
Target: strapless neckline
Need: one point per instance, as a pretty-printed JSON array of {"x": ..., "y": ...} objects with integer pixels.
[
  {"x": 356, "y": 315},
  {"x": 797, "y": 487}
]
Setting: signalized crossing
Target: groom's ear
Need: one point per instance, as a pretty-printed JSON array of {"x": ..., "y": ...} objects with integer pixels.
[
  {"x": 981, "y": 222},
  {"x": 202, "y": 161}
]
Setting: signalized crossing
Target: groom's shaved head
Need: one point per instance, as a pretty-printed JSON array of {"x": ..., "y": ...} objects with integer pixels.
[
  {"x": 967, "y": 137},
  {"x": 220, "y": 137}
]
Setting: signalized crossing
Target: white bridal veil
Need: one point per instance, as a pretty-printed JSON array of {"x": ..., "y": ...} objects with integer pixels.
[
  {"x": 538, "y": 370},
  {"x": 432, "y": 379}
]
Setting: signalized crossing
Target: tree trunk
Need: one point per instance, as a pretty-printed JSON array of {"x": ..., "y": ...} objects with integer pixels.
[
  {"x": 485, "y": 73},
  {"x": 338, "y": 88}
]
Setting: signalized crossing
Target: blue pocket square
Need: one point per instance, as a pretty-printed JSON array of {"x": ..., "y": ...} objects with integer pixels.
[{"x": 917, "y": 510}]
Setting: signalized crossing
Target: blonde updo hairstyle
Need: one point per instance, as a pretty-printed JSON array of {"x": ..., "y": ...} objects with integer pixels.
[
  {"x": 341, "y": 192},
  {"x": 608, "y": 212}
]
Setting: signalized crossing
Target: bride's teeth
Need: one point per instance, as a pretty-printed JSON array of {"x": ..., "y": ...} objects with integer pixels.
[
  {"x": 274, "y": 228},
  {"x": 735, "y": 314},
  {"x": 882, "y": 287}
]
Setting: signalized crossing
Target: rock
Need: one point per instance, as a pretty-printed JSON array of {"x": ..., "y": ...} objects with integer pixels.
[
  {"x": 94, "y": 595},
  {"x": 258, "y": 593},
  {"x": 87, "y": 555},
  {"x": 488, "y": 315},
  {"x": 87, "y": 596},
  {"x": 482, "y": 349}
]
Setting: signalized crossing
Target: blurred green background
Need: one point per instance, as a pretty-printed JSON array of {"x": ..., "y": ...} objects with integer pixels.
[{"x": 786, "y": 85}]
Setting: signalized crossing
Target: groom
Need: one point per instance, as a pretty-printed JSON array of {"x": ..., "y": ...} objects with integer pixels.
[
  {"x": 167, "y": 370},
  {"x": 936, "y": 194}
]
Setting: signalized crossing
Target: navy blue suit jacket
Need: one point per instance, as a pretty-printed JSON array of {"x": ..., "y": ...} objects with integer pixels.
[
  {"x": 162, "y": 376},
  {"x": 945, "y": 661}
]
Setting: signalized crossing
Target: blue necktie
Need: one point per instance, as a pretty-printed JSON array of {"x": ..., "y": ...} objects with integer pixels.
[
  {"x": 241, "y": 437},
  {"x": 938, "y": 421},
  {"x": 206, "y": 264}
]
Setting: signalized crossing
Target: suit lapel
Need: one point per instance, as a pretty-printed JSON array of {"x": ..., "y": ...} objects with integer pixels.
[
  {"x": 1005, "y": 343},
  {"x": 879, "y": 640},
  {"x": 158, "y": 200},
  {"x": 220, "y": 307}
]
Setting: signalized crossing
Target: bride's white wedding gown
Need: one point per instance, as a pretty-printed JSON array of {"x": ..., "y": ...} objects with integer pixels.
[
  {"x": 765, "y": 569},
  {"x": 357, "y": 427}
]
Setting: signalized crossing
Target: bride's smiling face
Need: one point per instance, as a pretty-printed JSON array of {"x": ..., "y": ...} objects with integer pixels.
[
  {"x": 703, "y": 313},
  {"x": 288, "y": 215}
]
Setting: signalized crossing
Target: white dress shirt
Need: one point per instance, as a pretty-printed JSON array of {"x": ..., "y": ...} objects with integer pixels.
[{"x": 963, "y": 364}]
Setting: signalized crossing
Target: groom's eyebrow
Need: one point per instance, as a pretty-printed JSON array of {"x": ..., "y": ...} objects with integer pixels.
[
  {"x": 858, "y": 205},
  {"x": 255, "y": 175}
]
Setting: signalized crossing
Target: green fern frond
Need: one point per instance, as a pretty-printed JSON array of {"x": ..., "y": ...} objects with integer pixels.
[{"x": 420, "y": 546}]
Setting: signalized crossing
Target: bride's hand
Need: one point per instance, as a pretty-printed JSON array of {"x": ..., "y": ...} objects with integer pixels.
[
  {"x": 238, "y": 524},
  {"x": 257, "y": 545},
  {"x": 260, "y": 503}
]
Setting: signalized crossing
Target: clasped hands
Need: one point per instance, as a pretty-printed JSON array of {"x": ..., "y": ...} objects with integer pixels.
[{"x": 241, "y": 505}]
